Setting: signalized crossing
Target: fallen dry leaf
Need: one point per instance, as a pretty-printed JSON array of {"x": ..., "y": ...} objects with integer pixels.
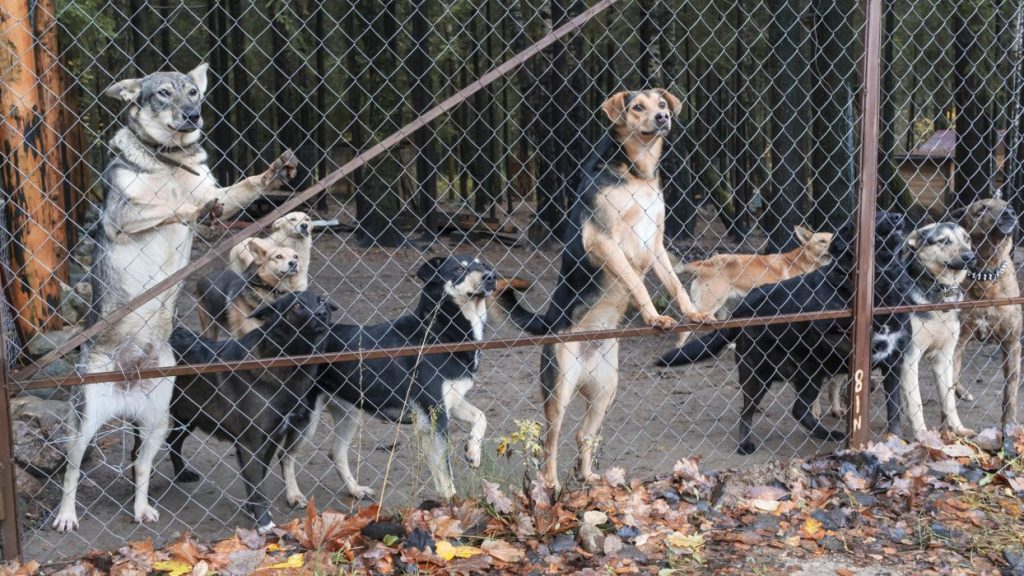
[
  {"x": 812, "y": 528},
  {"x": 502, "y": 550},
  {"x": 495, "y": 497},
  {"x": 445, "y": 550}
]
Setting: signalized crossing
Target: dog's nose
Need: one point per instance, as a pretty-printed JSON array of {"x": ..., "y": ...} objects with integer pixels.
[
  {"x": 304, "y": 227},
  {"x": 293, "y": 264},
  {"x": 968, "y": 257},
  {"x": 192, "y": 115},
  {"x": 661, "y": 117}
]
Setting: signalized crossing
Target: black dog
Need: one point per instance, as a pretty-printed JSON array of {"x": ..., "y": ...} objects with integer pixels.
[
  {"x": 806, "y": 353},
  {"x": 410, "y": 389},
  {"x": 258, "y": 410}
]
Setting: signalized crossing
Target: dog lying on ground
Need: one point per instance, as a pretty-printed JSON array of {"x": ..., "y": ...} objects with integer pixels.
[
  {"x": 614, "y": 237},
  {"x": 991, "y": 224},
  {"x": 940, "y": 255},
  {"x": 259, "y": 410},
  {"x": 423, "y": 390},
  {"x": 806, "y": 353},
  {"x": 295, "y": 231},
  {"x": 228, "y": 299},
  {"x": 156, "y": 187},
  {"x": 726, "y": 277}
]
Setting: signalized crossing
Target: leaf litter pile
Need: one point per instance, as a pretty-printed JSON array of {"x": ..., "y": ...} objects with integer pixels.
[{"x": 937, "y": 506}]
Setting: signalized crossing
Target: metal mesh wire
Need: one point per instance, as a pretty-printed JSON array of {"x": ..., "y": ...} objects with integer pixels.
[{"x": 766, "y": 139}]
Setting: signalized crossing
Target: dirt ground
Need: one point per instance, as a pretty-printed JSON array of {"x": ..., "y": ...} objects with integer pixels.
[{"x": 659, "y": 416}]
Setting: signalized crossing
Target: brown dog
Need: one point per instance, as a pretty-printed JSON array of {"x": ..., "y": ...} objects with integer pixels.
[
  {"x": 295, "y": 231},
  {"x": 615, "y": 237},
  {"x": 991, "y": 224},
  {"x": 227, "y": 298},
  {"x": 724, "y": 277}
]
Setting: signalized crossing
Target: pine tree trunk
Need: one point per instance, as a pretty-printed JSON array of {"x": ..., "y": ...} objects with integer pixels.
[
  {"x": 221, "y": 138},
  {"x": 675, "y": 176},
  {"x": 834, "y": 81},
  {"x": 542, "y": 231},
  {"x": 422, "y": 98},
  {"x": 973, "y": 171},
  {"x": 246, "y": 149},
  {"x": 789, "y": 102},
  {"x": 34, "y": 217},
  {"x": 740, "y": 137}
]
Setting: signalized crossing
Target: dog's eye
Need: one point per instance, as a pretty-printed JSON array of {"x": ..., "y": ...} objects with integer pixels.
[
  {"x": 460, "y": 269},
  {"x": 193, "y": 92},
  {"x": 639, "y": 107},
  {"x": 164, "y": 92}
]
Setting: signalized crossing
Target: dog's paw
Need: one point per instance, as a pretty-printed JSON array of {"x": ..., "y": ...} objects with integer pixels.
[
  {"x": 661, "y": 322},
  {"x": 697, "y": 316},
  {"x": 590, "y": 478},
  {"x": 187, "y": 475},
  {"x": 473, "y": 455},
  {"x": 147, "y": 513},
  {"x": 746, "y": 448},
  {"x": 360, "y": 492},
  {"x": 266, "y": 528},
  {"x": 964, "y": 394},
  {"x": 295, "y": 500},
  {"x": 65, "y": 522},
  {"x": 210, "y": 211},
  {"x": 281, "y": 170},
  {"x": 838, "y": 411},
  {"x": 836, "y": 436},
  {"x": 960, "y": 431}
]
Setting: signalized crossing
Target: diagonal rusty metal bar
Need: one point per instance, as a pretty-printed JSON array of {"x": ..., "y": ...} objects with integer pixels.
[{"x": 297, "y": 199}]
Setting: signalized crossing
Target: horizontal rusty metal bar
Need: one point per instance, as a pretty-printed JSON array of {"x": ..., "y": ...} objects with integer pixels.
[
  {"x": 498, "y": 343},
  {"x": 495, "y": 344},
  {"x": 294, "y": 201}
]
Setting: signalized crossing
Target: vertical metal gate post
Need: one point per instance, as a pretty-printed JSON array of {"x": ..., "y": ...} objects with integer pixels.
[
  {"x": 10, "y": 520},
  {"x": 860, "y": 368}
]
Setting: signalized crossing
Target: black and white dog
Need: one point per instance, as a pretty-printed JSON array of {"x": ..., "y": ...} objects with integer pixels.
[
  {"x": 807, "y": 353},
  {"x": 259, "y": 410},
  {"x": 423, "y": 390}
]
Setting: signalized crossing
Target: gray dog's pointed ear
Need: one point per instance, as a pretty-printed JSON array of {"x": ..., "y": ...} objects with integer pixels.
[
  {"x": 125, "y": 90},
  {"x": 198, "y": 75}
]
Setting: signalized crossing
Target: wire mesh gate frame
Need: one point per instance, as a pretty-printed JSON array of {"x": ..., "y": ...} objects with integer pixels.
[{"x": 862, "y": 311}]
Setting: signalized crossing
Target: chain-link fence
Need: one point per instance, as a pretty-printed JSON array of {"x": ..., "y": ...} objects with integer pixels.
[{"x": 527, "y": 139}]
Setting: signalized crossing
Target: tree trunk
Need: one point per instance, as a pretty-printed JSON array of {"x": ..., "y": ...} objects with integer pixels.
[
  {"x": 34, "y": 217},
  {"x": 221, "y": 136},
  {"x": 526, "y": 81},
  {"x": 973, "y": 173},
  {"x": 541, "y": 103},
  {"x": 675, "y": 177},
  {"x": 789, "y": 127},
  {"x": 422, "y": 97},
  {"x": 320, "y": 49},
  {"x": 481, "y": 132},
  {"x": 740, "y": 138},
  {"x": 834, "y": 81},
  {"x": 893, "y": 192},
  {"x": 246, "y": 149}
]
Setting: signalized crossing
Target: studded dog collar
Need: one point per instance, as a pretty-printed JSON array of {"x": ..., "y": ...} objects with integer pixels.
[{"x": 988, "y": 275}]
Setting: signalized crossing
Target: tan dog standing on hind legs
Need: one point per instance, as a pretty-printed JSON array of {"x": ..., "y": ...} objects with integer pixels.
[
  {"x": 991, "y": 224},
  {"x": 156, "y": 187},
  {"x": 614, "y": 237}
]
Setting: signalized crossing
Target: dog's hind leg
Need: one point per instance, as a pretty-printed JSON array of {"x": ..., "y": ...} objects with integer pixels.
[
  {"x": 254, "y": 471},
  {"x": 347, "y": 420},
  {"x": 1011, "y": 371},
  {"x": 808, "y": 387},
  {"x": 754, "y": 388},
  {"x": 293, "y": 494},
  {"x": 153, "y": 421},
  {"x": 175, "y": 442},
  {"x": 560, "y": 372},
  {"x": 85, "y": 419},
  {"x": 432, "y": 425},
  {"x": 598, "y": 384},
  {"x": 958, "y": 363}
]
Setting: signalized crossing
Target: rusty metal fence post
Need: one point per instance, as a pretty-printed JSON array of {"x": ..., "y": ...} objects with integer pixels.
[{"x": 863, "y": 306}]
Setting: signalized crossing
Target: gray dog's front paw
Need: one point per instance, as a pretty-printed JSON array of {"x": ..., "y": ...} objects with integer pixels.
[{"x": 281, "y": 170}]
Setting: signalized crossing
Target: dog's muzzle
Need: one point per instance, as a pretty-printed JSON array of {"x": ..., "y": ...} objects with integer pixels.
[
  {"x": 964, "y": 260},
  {"x": 1007, "y": 221}
]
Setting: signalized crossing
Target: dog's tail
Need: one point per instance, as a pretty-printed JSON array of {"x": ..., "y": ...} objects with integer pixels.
[
  {"x": 699, "y": 349},
  {"x": 506, "y": 296}
]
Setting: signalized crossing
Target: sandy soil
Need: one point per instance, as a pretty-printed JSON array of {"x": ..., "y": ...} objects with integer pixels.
[{"x": 659, "y": 416}]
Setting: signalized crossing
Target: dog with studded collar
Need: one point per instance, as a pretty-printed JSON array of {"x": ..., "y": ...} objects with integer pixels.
[{"x": 991, "y": 223}]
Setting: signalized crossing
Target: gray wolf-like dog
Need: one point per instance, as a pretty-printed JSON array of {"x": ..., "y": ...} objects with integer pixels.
[{"x": 156, "y": 188}]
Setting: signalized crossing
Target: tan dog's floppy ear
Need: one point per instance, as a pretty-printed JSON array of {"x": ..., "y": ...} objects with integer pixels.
[
  {"x": 802, "y": 234},
  {"x": 674, "y": 103},
  {"x": 615, "y": 106},
  {"x": 126, "y": 90},
  {"x": 198, "y": 75},
  {"x": 260, "y": 249}
]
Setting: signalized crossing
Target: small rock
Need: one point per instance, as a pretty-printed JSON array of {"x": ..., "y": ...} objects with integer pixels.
[
  {"x": 57, "y": 369},
  {"x": 832, "y": 544},
  {"x": 835, "y": 519},
  {"x": 1015, "y": 558},
  {"x": 973, "y": 475},
  {"x": 44, "y": 342},
  {"x": 590, "y": 538},
  {"x": 612, "y": 545},
  {"x": 766, "y": 522},
  {"x": 594, "y": 517},
  {"x": 28, "y": 486},
  {"x": 865, "y": 499},
  {"x": 243, "y": 562},
  {"x": 670, "y": 496},
  {"x": 420, "y": 538},
  {"x": 628, "y": 533},
  {"x": 75, "y": 301},
  {"x": 989, "y": 440},
  {"x": 940, "y": 531},
  {"x": 562, "y": 543},
  {"x": 39, "y": 428},
  {"x": 630, "y": 551}
]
